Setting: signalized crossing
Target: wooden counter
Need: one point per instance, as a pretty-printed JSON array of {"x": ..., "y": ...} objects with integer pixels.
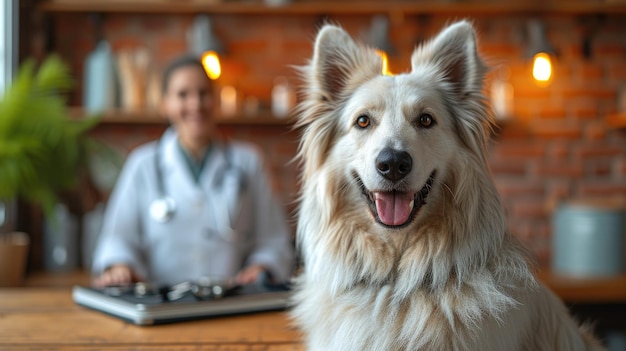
[
  {"x": 42, "y": 315},
  {"x": 47, "y": 318},
  {"x": 586, "y": 290}
]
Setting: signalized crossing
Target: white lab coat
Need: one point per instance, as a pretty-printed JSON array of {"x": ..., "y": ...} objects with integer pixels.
[{"x": 198, "y": 241}]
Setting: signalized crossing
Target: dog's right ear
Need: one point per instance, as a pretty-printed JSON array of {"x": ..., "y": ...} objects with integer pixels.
[{"x": 339, "y": 64}]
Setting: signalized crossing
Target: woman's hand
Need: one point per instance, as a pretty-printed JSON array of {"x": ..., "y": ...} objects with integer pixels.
[
  {"x": 119, "y": 274},
  {"x": 250, "y": 274}
]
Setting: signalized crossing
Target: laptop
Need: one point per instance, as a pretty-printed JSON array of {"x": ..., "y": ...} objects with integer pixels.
[{"x": 140, "y": 306}]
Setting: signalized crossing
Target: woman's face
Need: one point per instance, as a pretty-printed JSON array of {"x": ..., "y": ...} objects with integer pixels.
[{"x": 188, "y": 102}]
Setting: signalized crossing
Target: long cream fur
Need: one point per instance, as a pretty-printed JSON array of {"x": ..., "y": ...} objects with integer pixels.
[{"x": 452, "y": 278}]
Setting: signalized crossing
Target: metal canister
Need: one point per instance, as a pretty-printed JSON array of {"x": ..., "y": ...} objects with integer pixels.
[{"x": 589, "y": 239}]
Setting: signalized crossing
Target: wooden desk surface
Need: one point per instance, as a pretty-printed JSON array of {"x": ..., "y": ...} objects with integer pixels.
[
  {"x": 42, "y": 315},
  {"x": 47, "y": 318}
]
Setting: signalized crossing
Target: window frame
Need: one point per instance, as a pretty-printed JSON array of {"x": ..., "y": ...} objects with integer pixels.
[{"x": 8, "y": 41}]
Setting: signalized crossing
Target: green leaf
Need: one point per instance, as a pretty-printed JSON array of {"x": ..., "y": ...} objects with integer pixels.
[{"x": 53, "y": 75}]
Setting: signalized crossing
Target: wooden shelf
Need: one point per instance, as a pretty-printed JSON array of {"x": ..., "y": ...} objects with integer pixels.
[
  {"x": 153, "y": 118},
  {"x": 122, "y": 117},
  {"x": 616, "y": 121},
  {"x": 326, "y": 7}
]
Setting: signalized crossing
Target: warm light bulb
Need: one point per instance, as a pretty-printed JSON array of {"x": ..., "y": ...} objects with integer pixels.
[
  {"x": 542, "y": 67},
  {"x": 383, "y": 56},
  {"x": 211, "y": 63}
]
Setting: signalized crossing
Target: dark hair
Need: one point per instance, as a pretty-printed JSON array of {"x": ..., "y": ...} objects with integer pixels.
[{"x": 174, "y": 65}]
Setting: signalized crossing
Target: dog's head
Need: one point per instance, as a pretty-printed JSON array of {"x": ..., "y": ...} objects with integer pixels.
[{"x": 392, "y": 140}]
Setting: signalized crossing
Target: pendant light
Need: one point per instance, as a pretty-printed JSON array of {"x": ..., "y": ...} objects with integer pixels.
[
  {"x": 206, "y": 45},
  {"x": 541, "y": 51}
]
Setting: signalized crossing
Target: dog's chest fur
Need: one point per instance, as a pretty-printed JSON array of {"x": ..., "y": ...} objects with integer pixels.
[{"x": 401, "y": 314}]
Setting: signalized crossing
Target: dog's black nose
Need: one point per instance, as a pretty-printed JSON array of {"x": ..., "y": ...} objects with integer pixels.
[{"x": 393, "y": 164}]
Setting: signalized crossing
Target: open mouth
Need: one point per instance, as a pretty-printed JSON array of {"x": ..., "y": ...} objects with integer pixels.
[{"x": 396, "y": 208}]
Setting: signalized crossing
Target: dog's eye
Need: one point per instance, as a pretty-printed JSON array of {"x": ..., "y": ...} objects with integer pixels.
[
  {"x": 426, "y": 120},
  {"x": 363, "y": 121}
]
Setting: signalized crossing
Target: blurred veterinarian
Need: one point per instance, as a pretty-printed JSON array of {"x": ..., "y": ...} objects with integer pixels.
[{"x": 191, "y": 206}]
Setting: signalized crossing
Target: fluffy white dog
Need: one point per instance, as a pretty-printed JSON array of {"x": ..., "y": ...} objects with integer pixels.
[{"x": 400, "y": 226}]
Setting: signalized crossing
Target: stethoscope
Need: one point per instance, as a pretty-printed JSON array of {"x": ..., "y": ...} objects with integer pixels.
[{"x": 163, "y": 208}]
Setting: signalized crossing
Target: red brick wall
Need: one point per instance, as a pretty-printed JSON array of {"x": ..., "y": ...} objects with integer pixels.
[{"x": 556, "y": 147}]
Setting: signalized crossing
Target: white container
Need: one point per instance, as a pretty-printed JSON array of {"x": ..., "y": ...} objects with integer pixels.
[
  {"x": 60, "y": 244},
  {"x": 283, "y": 98},
  {"x": 100, "y": 88},
  {"x": 589, "y": 240}
]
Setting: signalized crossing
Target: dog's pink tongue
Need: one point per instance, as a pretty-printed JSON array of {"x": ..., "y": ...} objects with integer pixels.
[{"x": 393, "y": 208}]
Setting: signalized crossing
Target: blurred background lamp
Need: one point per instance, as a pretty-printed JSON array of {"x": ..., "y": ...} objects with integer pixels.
[
  {"x": 542, "y": 67},
  {"x": 378, "y": 36},
  {"x": 211, "y": 63},
  {"x": 204, "y": 44},
  {"x": 541, "y": 51}
]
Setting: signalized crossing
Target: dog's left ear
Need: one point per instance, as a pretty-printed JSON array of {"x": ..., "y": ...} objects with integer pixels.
[{"x": 454, "y": 52}]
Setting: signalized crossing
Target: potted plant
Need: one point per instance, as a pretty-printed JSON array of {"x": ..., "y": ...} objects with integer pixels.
[{"x": 43, "y": 151}]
